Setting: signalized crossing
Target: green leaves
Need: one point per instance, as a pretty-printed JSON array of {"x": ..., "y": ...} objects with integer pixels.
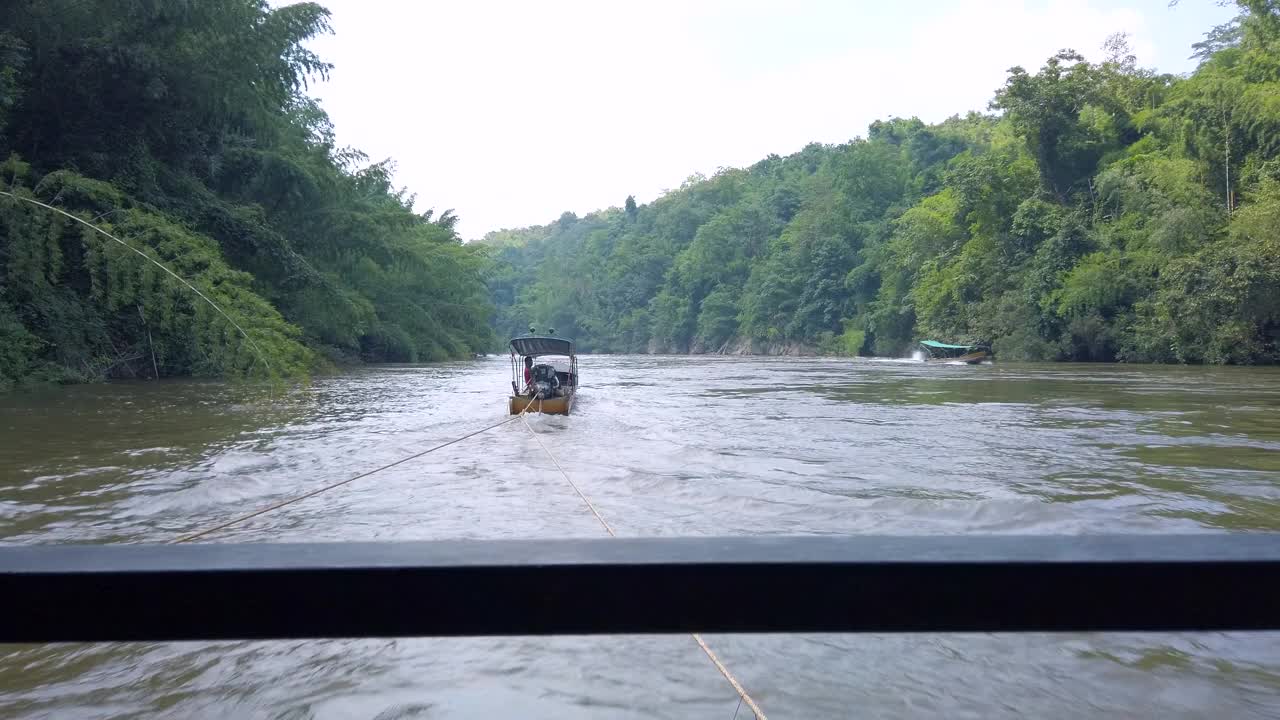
[
  {"x": 88, "y": 301},
  {"x": 192, "y": 137},
  {"x": 18, "y": 348},
  {"x": 1099, "y": 217},
  {"x": 717, "y": 320},
  {"x": 1064, "y": 117}
]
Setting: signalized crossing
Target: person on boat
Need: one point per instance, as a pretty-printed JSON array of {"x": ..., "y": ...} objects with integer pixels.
[{"x": 528, "y": 372}]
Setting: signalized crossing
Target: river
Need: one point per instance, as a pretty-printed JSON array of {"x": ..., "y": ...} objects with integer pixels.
[{"x": 664, "y": 446}]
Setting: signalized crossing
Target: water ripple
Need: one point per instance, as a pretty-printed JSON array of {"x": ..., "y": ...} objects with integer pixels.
[{"x": 665, "y": 446}]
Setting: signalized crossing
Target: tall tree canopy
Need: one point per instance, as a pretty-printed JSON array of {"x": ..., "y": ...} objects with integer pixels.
[
  {"x": 184, "y": 128},
  {"x": 1105, "y": 212}
]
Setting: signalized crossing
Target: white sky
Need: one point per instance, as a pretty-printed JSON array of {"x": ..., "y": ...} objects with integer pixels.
[{"x": 513, "y": 112}]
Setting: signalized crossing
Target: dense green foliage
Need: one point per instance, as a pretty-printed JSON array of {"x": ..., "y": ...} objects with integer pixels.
[
  {"x": 183, "y": 127},
  {"x": 1105, "y": 212}
]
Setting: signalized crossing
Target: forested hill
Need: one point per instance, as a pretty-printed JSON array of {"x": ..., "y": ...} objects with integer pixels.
[
  {"x": 1101, "y": 212},
  {"x": 183, "y": 127}
]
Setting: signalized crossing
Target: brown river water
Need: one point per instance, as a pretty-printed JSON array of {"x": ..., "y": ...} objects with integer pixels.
[{"x": 664, "y": 446}]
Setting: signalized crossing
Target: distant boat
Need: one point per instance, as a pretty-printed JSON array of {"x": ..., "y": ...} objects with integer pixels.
[
  {"x": 547, "y": 387},
  {"x": 944, "y": 352}
]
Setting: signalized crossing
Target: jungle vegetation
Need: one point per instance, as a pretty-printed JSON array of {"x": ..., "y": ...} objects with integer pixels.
[
  {"x": 1098, "y": 211},
  {"x": 184, "y": 128}
]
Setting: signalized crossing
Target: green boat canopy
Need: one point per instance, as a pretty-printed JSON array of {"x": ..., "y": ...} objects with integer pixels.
[
  {"x": 535, "y": 346},
  {"x": 945, "y": 346}
]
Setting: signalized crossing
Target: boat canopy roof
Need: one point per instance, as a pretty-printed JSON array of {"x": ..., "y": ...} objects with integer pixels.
[
  {"x": 535, "y": 345},
  {"x": 945, "y": 346}
]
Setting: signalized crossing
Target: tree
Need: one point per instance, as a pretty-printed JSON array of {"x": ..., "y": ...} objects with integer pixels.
[
  {"x": 1045, "y": 109},
  {"x": 1209, "y": 107},
  {"x": 188, "y": 128},
  {"x": 1221, "y": 37},
  {"x": 1097, "y": 217}
]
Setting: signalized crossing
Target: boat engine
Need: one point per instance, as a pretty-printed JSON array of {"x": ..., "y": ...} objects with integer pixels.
[{"x": 545, "y": 381}]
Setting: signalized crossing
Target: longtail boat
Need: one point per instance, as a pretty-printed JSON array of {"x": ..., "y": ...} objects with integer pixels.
[
  {"x": 544, "y": 374},
  {"x": 944, "y": 352}
]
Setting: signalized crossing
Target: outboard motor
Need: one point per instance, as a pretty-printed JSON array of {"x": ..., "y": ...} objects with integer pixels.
[{"x": 545, "y": 381}]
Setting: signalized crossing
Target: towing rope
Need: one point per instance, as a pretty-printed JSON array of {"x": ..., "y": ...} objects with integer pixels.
[
  {"x": 737, "y": 686},
  {"x": 257, "y": 350},
  {"x": 572, "y": 484},
  {"x": 327, "y": 488},
  {"x": 743, "y": 695}
]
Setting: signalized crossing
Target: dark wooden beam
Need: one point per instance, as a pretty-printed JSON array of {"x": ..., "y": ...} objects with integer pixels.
[{"x": 538, "y": 587}]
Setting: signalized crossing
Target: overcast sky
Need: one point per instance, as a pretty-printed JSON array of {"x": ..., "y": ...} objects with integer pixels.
[{"x": 513, "y": 112}]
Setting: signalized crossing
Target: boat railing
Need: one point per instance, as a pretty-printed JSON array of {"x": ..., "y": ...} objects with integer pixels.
[{"x": 79, "y": 593}]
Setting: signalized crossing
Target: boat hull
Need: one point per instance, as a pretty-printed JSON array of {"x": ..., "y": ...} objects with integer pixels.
[
  {"x": 972, "y": 358},
  {"x": 549, "y": 406}
]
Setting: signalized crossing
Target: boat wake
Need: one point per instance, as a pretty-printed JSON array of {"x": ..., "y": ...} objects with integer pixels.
[{"x": 900, "y": 361}]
